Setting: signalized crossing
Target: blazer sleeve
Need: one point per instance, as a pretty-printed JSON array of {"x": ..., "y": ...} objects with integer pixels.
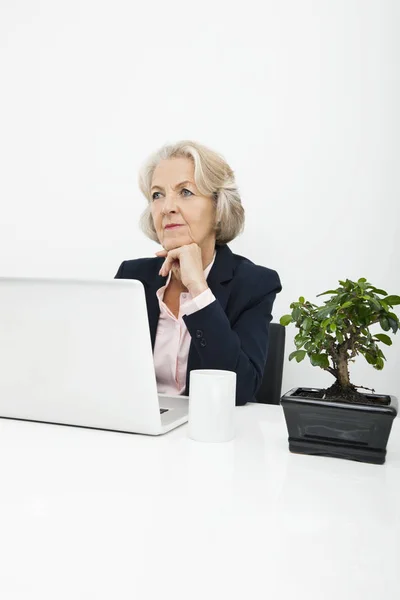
[
  {"x": 120, "y": 273},
  {"x": 241, "y": 346}
]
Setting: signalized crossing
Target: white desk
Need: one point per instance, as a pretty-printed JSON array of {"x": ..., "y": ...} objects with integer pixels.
[{"x": 96, "y": 515}]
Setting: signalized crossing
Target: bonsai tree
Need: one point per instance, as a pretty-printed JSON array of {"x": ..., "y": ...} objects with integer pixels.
[{"x": 332, "y": 335}]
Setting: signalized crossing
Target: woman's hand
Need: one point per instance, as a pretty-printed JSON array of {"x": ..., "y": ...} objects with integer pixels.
[{"x": 189, "y": 268}]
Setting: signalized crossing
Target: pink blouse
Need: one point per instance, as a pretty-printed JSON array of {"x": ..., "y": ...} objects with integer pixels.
[{"x": 171, "y": 348}]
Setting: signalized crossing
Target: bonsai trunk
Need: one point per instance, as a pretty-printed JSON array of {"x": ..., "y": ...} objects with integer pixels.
[
  {"x": 342, "y": 388},
  {"x": 343, "y": 376}
]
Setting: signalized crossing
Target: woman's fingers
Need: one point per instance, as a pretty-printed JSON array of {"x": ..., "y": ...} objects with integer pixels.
[
  {"x": 172, "y": 256},
  {"x": 161, "y": 254}
]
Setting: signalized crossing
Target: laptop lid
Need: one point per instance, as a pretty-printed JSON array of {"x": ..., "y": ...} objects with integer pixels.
[{"x": 77, "y": 352}]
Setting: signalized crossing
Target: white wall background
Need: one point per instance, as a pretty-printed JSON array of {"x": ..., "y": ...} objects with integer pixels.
[{"x": 300, "y": 96}]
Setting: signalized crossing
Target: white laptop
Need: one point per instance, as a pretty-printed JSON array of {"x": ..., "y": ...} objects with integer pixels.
[{"x": 76, "y": 352}]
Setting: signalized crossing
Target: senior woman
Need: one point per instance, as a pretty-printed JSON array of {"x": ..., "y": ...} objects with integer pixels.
[{"x": 207, "y": 307}]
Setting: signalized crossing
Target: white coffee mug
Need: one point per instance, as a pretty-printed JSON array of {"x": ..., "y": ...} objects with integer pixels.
[{"x": 212, "y": 396}]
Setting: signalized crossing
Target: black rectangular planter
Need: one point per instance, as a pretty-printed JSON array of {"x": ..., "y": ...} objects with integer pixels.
[{"x": 338, "y": 429}]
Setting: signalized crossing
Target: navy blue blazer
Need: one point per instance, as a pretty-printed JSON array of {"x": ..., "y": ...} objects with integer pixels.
[{"x": 230, "y": 333}]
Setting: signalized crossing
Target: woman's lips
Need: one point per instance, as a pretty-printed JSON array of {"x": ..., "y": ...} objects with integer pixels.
[{"x": 173, "y": 226}]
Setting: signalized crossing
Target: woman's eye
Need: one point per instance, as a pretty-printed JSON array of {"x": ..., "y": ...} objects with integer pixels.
[
  {"x": 154, "y": 195},
  {"x": 188, "y": 192}
]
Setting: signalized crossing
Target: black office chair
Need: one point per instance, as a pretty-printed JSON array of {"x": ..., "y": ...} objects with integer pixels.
[{"x": 271, "y": 385}]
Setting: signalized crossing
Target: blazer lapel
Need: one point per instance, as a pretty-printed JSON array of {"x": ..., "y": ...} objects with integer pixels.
[
  {"x": 153, "y": 306},
  {"x": 220, "y": 274}
]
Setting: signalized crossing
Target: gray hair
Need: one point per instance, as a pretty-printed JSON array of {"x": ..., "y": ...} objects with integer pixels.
[{"x": 213, "y": 177}]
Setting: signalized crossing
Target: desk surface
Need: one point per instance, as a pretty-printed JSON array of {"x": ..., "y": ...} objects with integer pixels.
[{"x": 92, "y": 515}]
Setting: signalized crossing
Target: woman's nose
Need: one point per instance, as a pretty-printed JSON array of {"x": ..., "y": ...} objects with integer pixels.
[{"x": 169, "y": 204}]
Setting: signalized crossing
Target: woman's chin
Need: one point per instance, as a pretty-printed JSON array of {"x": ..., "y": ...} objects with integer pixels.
[{"x": 175, "y": 242}]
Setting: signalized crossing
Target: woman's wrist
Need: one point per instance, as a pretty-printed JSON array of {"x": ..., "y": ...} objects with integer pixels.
[{"x": 197, "y": 287}]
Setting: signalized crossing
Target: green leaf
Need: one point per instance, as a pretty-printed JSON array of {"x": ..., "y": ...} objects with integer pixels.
[
  {"x": 307, "y": 324},
  {"x": 285, "y": 320},
  {"x": 339, "y": 337},
  {"x": 384, "y": 323},
  {"x": 301, "y": 300},
  {"x": 327, "y": 292},
  {"x": 378, "y": 291},
  {"x": 380, "y": 353},
  {"x": 325, "y": 323},
  {"x": 384, "y": 338},
  {"x": 299, "y": 341},
  {"x": 333, "y": 327},
  {"x": 298, "y": 355},
  {"x": 324, "y": 312},
  {"x": 375, "y": 304},
  {"x": 363, "y": 313},
  {"x": 371, "y": 359},
  {"x": 362, "y": 280},
  {"x": 392, "y": 300},
  {"x": 319, "y": 360},
  {"x": 392, "y": 315},
  {"x": 296, "y": 313},
  {"x": 319, "y": 337},
  {"x": 346, "y": 304},
  {"x": 379, "y": 364},
  {"x": 393, "y": 324}
]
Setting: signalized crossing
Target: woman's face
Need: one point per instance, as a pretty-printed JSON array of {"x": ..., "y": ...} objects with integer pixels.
[{"x": 181, "y": 215}]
